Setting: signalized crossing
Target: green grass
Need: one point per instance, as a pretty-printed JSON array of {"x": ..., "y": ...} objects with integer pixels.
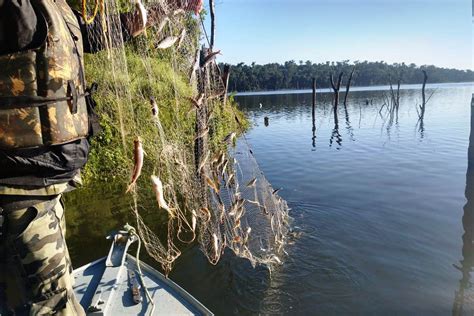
[{"x": 109, "y": 160}]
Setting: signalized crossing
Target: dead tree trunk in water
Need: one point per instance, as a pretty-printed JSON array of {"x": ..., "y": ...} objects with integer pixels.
[
  {"x": 423, "y": 95},
  {"x": 425, "y": 78},
  {"x": 398, "y": 92},
  {"x": 348, "y": 86},
  {"x": 314, "y": 112},
  {"x": 314, "y": 99},
  {"x": 336, "y": 88},
  {"x": 213, "y": 23}
]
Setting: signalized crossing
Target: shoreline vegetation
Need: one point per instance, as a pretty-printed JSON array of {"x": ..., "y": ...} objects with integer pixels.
[
  {"x": 111, "y": 152},
  {"x": 386, "y": 87},
  {"x": 292, "y": 75}
]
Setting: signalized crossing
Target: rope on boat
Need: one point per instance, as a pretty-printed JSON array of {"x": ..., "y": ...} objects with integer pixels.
[{"x": 131, "y": 230}]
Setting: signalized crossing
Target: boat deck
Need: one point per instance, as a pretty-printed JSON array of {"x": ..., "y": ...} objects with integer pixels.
[{"x": 110, "y": 290}]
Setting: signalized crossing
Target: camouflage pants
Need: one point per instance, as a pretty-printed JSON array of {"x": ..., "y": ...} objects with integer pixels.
[{"x": 35, "y": 268}]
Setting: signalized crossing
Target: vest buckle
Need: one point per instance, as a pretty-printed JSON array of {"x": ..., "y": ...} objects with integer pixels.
[{"x": 72, "y": 94}]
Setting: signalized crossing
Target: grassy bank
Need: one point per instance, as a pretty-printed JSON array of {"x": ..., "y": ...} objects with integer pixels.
[{"x": 127, "y": 90}]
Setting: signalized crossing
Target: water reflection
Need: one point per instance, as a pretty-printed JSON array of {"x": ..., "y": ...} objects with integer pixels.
[
  {"x": 364, "y": 109},
  {"x": 380, "y": 227},
  {"x": 335, "y": 135},
  {"x": 464, "y": 296},
  {"x": 349, "y": 128}
]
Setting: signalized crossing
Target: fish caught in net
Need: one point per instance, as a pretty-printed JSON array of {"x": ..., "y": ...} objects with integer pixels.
[{"x": 166, "y": 103}]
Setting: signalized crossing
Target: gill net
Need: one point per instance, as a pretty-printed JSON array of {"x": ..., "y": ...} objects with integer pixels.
[{"x": 170, "y": 127}]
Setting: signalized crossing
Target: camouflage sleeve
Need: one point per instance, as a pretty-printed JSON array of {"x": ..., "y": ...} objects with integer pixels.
[{"x": 17, "y": 25}]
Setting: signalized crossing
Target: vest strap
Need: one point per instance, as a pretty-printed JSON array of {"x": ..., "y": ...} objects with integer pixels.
[{"x": 8, "y": 103}]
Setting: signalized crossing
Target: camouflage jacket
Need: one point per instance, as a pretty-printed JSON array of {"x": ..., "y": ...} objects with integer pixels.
[
  {"x": 42, "y": 103},
  {"x": 43, "y": 114}
]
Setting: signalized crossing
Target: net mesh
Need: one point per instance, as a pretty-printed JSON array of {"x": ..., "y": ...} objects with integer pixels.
[{"x": 209, "y": 185}]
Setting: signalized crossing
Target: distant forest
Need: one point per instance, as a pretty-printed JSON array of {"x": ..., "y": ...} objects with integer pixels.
[{"x": 292, "y": 75}]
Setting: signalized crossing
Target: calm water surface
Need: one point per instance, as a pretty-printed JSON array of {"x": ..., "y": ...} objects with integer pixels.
[{"x": 377, "y": 202}]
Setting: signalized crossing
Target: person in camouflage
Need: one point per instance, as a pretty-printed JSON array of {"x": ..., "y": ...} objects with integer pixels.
[
  {"x": 34, "y": 252},
  {"x": 45, "y": 121}
]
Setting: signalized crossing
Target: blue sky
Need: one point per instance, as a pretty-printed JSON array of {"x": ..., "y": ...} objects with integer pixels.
[{"x": 437, "y": 32}]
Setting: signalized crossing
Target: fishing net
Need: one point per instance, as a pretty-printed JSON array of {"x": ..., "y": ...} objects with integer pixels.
[{"x": 164, "y": 93}]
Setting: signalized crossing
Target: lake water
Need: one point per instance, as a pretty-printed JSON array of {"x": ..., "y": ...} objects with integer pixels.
[{"x": 378, "y": 204}]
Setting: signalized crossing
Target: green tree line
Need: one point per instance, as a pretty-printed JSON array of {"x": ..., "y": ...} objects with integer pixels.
[{"x": 292, "y": 75}]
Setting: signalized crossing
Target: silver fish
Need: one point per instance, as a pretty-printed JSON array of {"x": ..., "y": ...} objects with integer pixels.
[
  {"x": 237, "y": 224},
  {"x": 162, "y": 24},
  {"x": 276, "y": 191},
  {"x": 272, "y": 225},
  {"x": 233, "y": 211},
  {"x": 206, "y": 211},
  {"x": 229, "y": 180},
  {"x": 167, "y": 42},
  {"x": 203, "y": 133},
  {"x": 236, "y": 207},
  {"x": 209, "y": 58},
  {"x": 137, "y": 168},
  {"x": 182, "y": 36},
  {"x": 275, "y": 258},
  {"x": 179, "y": 11},
  {"x": 143, "y": 17},
  {"x": 247, "y": 234},
  {"x": 158, "y": 189},
  {"x": 254, "y": 202},
  {"x": 212, "y": 184},
  {"x": 194, "y": 220},
  {"x": 224, "y": 166},
  {"x": 216, "y": 245},
  {"x": 203, "y": 162},
  {"x": 222, "y": 213},
  {"x": 240, "y": 202},
  {"x": 230, "y": 138},
  {"x": 217, "y": 157},
  {"x": 192, "y": 74},
  {"x": 252, "y": 182},
  {"x": 197, "y": 102}
]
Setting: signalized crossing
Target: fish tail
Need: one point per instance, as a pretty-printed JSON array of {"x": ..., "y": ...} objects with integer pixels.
[{"x": 130, "y": 187}]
